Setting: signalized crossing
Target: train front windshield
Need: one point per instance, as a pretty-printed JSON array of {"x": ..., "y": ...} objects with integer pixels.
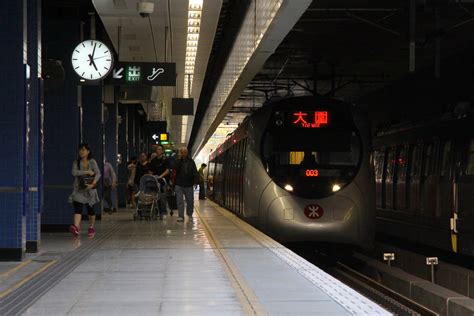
[{"x": 311, "y": 153}]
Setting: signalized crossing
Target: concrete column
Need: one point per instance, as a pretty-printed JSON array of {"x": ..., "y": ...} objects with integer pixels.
[
  {"x": 13, "y": 130},
  {"x": 35, "y": 152}
]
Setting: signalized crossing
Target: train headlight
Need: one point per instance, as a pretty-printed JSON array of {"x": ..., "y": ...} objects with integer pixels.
[
  {"x": 288, "y": 188},
  {"x": 336, "y": 188}
]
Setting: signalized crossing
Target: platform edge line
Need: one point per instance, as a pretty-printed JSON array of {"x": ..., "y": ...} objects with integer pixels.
[{"x": 248, "y": 299}]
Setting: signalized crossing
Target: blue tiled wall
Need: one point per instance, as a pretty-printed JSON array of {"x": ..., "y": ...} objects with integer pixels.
[
  {"x": 111, "y": 140},
  {"x": 92, "y": 124},
  {"x": 12, "y": 124},
  {"x": 61, "y": 121},
  {"x": 122, "y": 149},
  {"x": 132, "y": 150}
]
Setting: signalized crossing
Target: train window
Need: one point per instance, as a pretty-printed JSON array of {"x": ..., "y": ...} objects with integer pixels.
[
  {"x": 312, "y": 161},
  {"x": 470, "y": 159},
  {"x": 415, "y": 160},
  {"x": 428, "y": 160},
  {"x": 402, "y": 164},
  {"x": 378, "y": 164},
  {"x": 390, "y": 163},
  {"x": 445, "y": 158}
]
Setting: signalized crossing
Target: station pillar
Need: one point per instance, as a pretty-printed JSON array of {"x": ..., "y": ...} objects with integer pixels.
[
  {"x": 61, "y": 116},
  {"x": 13, "y": 129},
  {"x": 35, "y": 135}
]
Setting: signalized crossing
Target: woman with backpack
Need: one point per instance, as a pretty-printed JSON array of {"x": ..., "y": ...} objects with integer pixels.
[{"x": 84, "y": 195}]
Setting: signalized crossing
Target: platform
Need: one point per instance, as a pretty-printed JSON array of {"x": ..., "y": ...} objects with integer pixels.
[{"x": 214, "y": 265}]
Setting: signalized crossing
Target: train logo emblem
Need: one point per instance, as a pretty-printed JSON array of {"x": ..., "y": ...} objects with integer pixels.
[{"x": 313, "y": 211}]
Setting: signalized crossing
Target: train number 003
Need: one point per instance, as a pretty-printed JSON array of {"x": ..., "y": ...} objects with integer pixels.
[{"x": 312, "y": 172}]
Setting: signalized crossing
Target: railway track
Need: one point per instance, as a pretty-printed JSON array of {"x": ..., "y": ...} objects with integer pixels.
[{"x": 389, "y": 299}]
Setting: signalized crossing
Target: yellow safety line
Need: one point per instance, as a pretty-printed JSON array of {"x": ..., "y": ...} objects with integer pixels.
[
  {"x": 18, "y": 267},
  {"x": 26, "y": 279},
  {"x": 244, "y": 292}
]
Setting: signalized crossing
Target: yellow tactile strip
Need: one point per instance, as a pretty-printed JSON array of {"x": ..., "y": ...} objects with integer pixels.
[
  {"x": 26, "y": 278},
  {"x": 16, "y": 268},
  {"x": 248, "y": 300}
]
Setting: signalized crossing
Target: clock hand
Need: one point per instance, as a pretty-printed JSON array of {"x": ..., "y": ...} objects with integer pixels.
[
  {"x": 93, "y": 51},
  {"x": 90, "y": 60},
  {"x": 93, "y": 63},
  {"x": 101, "y": 57}
]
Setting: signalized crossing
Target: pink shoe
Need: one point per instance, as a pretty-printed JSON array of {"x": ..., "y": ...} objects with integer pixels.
[
  {"x": 74, "y": 230},
  {"x": 91, "y": 232}
]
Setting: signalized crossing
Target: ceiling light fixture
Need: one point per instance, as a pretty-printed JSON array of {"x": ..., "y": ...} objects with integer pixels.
[{"x": 192, "y": 40}]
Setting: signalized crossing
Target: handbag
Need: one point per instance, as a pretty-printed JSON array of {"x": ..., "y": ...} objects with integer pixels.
[{"x": 84, "y": 180}]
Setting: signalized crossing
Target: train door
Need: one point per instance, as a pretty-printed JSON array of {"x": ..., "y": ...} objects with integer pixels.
[
  {"x": 210, "y": 178},
  {"x": 402, "y": 174},
  {"x": 428, "y": 181},
  {"x": 379, "y": 158},
  {"x": 389, "y": 177},
  {"x": 444, "y": 207},
  {"x": 219, "y": 180},
  {"x": 226, "y": 182},
  {"x": 466, "y": 197},
  {"x": 230, "y": 178},
  {"x": 243, "y": 161},
  {"x": 414, "y": 183}
]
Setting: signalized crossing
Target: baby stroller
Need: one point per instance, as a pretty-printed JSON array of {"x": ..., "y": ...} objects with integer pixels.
[{"x": 148, "y": 198}]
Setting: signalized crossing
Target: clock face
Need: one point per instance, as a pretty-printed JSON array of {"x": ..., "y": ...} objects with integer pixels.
[{"x": 92, "y": 60}]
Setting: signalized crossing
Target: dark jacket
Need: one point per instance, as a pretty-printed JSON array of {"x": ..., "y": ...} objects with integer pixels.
[
  {"x": 186, "y": 172},
  {"x": 141, "y": 170},
  {"x": 159, "y": 165}
]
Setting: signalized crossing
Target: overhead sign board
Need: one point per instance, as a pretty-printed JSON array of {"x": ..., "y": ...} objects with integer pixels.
[
  {"x": 182, "y": 106},
  {"x": 153, "y": 74}
]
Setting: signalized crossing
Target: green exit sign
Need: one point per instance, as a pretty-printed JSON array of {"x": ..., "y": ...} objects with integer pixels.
[{"x": 133, "y": 74}]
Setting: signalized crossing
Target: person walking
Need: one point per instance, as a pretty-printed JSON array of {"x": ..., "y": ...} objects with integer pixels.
[
  {"x": 132, "y": 169},
  {"x": 202, "y": 189},
  {"x": 143, "y": 167},
  {"x": 84, "y": 194},
  {"x": 159, "y": 166},
  {"x": 110, "y": 183},
  {"x": 186, "y": 178}
]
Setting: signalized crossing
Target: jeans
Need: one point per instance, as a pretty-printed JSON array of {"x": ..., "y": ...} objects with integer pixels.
[
  {"x": 188, "y": 193},
  {"x": 162, "y": 208},
  {"x": 202, "y": 191},
  {"x": 108, "y": 195}
]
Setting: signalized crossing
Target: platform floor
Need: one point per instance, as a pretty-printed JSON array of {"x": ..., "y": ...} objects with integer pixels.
[{"x": 213, "y": 265}]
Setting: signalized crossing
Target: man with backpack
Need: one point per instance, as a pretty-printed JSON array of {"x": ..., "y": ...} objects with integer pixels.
[{"x": 186, "y": 177}]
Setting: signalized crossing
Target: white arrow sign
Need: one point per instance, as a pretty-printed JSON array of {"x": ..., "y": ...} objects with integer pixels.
[
  {"x": 155, "y": 137},
  {"x": 117, "y": 74}
]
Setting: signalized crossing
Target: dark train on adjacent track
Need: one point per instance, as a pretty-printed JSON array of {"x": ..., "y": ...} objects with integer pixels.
[
  {"x": 424, "y": 175},
  {"x": 299, "y": 169}
]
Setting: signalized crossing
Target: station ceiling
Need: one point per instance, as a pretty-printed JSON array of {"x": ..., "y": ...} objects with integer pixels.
[
  {"x": 347, "y": 49},
  {"x": 350, "y": 48}
]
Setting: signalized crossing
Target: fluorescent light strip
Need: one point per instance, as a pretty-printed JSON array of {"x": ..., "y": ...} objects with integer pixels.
[{"x": 192, "y": 41}]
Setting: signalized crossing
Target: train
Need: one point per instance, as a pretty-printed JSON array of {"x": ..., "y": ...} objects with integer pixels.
[
  {"x": 299, "y": 170},
  {"x": 424, "y": 178}
]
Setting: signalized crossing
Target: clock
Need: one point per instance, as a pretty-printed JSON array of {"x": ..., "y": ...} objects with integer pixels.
[{"x": 92, "y": 60}]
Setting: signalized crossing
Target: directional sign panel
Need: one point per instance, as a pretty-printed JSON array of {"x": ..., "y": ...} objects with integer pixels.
[{"x": 153, "y": 74}]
